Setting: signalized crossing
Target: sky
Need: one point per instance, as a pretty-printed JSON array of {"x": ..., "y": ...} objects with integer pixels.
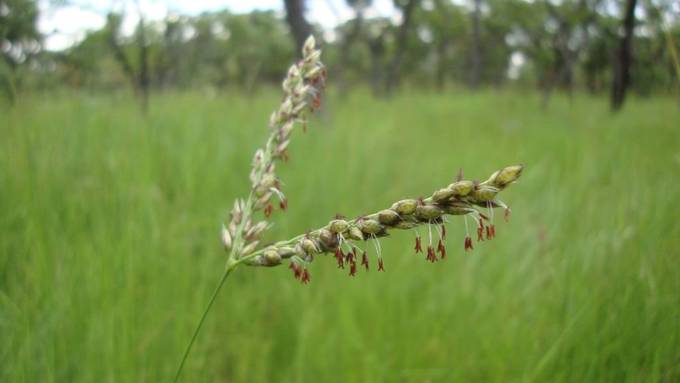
[{"x": 66, "y": 25}]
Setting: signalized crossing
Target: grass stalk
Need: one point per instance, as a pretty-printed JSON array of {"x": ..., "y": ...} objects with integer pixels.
[{"x": 227, "y": 271}]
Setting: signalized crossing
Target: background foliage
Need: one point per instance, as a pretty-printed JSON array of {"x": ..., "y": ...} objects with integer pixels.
[{"x": 110, "y": 243}]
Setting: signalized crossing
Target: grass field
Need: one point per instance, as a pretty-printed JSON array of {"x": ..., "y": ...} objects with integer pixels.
[{"x": 109, "y": 242}]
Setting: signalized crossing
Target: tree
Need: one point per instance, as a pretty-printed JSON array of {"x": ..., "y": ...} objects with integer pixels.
[
  {"x": 624, "y": 58},
  {"x": 572, "y": 20},
  {"x": 138, "y": 77},
  {"x": 19, "y": 40},
  {"x": 444, "y": 25},
  {"x": 476, "y": 54},
  {"x": 299, "y": 27},
  {"x": 392, "y": 78},
  {"x": 350, "y": 35}
]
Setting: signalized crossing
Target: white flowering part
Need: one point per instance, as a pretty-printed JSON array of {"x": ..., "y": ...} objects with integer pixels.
[{"x": 302, "y": 94}]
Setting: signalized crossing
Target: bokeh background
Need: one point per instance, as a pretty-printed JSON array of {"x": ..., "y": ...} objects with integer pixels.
[{"x": 127, "y": 130}]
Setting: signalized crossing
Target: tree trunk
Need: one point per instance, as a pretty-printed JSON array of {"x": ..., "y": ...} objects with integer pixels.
[
  {"x": 299, "y": 27},
  {"x": 377, "y": 49},
  {"x": 392, "y": 79},
  {"x": 624, "y": 58},
  {"x": 440, "y": 77},
  {"x": 347, "y": 43},
  {"x": 476, "y": 57},
  {"x": 143, "y": 66}
]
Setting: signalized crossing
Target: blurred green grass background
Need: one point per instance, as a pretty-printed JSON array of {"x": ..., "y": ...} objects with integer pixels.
[{"x": 109, "y": 242}]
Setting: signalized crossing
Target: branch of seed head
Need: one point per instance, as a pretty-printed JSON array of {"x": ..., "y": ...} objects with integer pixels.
[
  {"x": 459, "y": 198},
  {"x": 302, "y": 92}
]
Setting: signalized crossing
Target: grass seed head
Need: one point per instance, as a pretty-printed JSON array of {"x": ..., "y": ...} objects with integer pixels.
[
  {"x": 302, "y": 86},
  {"x": 463, "y": 197}
]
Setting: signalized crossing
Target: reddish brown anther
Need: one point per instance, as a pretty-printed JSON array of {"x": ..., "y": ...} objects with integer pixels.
[
  {"x": 349, "y": 257},
  {"x": 468, "y": 243},
  {"x": 339, "y": 257},
  {"x": 305, "y": 276},
  {"x": 381, "y": 265},
  {"x": 480, "y": 232},
  {"x": 268, "y": 210},
  {"x": 419, "y": 247},
  {"x": 352, "y": 269},
  {"x": 490, "y": 231},
  {"x": 283, "y": 204},
  {"x": 431, "y": 255},
  {"x": 441, "y": 249},
  {"x": 297, "y": 273},
  {"x": 364, "y": 260},
  {"x": 316, "y": 102}
]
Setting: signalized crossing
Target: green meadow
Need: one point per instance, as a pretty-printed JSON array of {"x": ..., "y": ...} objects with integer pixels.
[{"x": 109, "y": 241}]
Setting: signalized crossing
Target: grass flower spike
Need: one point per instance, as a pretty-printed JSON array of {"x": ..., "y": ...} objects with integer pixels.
[
  {"x": 340, "y": 237},
  {"x": 302, "y": 93},
  {"x": 302, "y": 88}
]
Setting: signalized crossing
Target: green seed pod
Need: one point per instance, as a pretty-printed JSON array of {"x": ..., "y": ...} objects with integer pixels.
[
  {"x": 428, "y": 212},
  {"x": 405, "y": 225},
  {"x": 328, "y": 240},
  {"x": 308, "y": 246},
  {"x": 484, "y": 193},
  {"x": 442, "y": 195},
  {"x": 338, "y": 226},
  {"x": 405, "y": 207},
  {"x": 491, "y": 178},
  {"x": 286, "y": 252},
  {"x": 226, "y": 237},
  {"x": 250, "y": 248},
  {"x": 267, "y": 182},
  {"x": 369, "y": 226},
  {"x": 461, "y": 188},
  {"x": 457, "y": 209},
  {"x": 388, "y": 217},
  {"x": 506, "y": 176},
  {"x": 355, "y": 234},
  {"x": 271, "y": 258}
]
